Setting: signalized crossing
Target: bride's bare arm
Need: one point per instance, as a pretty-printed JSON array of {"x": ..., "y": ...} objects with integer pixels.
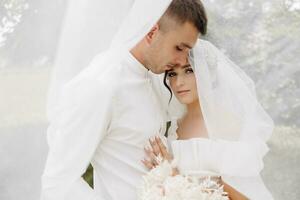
[{"x": 233, "y": 194}]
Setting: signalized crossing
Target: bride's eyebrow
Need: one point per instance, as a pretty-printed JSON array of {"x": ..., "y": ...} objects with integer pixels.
[{"x": 186, "y": 66}]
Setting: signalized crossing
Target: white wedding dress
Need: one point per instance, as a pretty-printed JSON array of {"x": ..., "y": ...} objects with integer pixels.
[{"x": 203, "y": 156}]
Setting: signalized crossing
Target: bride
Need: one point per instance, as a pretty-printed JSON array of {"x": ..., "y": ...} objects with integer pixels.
[{"x": 221, "y": 130}]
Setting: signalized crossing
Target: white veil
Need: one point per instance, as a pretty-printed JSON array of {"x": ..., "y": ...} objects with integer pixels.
[
  {"x": 231, "y": 111},
  {"x": 228, "y": 98},
  {"x": 233, "y": 116},
  {"x": 85, "y": 33},
  {"x": 238, "y": 127},
  {"x": 92, "y": 27}
]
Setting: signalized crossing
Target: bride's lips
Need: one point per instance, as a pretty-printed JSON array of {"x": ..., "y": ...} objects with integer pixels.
[{"x": 182, "y": 92}]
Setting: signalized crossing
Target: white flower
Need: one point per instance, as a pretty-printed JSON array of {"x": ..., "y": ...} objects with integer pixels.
[{"x": 159, "y": 184}]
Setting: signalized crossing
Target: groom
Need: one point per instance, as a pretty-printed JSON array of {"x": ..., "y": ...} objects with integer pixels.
[{"x": 106, "y": 116}]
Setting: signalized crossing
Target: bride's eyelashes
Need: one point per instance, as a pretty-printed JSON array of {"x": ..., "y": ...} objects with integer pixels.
[
  {"x": 189, "y": 70},
  {"x": 171, "y": 74}
]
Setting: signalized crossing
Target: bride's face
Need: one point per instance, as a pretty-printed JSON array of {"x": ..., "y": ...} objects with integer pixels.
[{"x": 183, "y": 84}]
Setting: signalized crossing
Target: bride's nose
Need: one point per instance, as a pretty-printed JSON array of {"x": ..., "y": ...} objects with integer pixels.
[{"x": 179, "y": 81}]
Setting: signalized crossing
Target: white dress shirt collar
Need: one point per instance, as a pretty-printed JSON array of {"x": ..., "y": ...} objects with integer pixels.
[{"x": 136, "y": 66}]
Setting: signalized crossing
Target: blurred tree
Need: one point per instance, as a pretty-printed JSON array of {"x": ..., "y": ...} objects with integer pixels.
[
  {"x": 263, "y": 38},
  {"x": 11, "y": 12},
  {"x": 34, "y": 40},
  {"x": 278, "y": 47}
]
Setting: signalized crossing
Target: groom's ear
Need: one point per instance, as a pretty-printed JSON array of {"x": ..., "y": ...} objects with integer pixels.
[{"x": 152, "y": 33}]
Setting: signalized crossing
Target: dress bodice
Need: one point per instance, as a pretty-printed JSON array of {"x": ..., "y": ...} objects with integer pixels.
[
  {"x": 235, "y": 161},
  {"x": 196, "y": 156},
  {"x": 205, "y": 156}
]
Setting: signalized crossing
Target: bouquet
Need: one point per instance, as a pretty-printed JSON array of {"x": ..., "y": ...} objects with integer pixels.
[{"x": 161, "y": 184}]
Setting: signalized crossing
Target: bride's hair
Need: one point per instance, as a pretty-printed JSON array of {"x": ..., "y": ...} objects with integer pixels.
[
  {"x": 181, "y": 11},
  {"x": 167, "y": 86}
]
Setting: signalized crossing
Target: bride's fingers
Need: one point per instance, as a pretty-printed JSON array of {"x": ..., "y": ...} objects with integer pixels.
[
  {"x": 147, "y": 164},
  {"x": 155, "y": 147},
  {"x": 151, "y": 155},
  {"x": 163, "y": 148}
]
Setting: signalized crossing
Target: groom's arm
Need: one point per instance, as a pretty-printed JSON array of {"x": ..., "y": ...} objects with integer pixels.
[{"x": 74, "y": 133}]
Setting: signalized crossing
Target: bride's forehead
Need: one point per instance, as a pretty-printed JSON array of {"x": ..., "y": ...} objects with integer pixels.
[{"x": 180, "y": 67}]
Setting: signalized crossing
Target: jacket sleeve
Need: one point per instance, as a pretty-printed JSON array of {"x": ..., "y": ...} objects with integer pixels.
[{"x": 75, "y": 131}]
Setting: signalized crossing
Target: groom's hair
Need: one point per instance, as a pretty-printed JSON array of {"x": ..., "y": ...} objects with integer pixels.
[{"x": 181, "y": 11}]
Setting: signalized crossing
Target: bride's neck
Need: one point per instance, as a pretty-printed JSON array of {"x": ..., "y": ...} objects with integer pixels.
[{"x": 194, "y": 110}]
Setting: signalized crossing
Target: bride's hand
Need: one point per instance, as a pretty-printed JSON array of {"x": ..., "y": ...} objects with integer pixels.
[{"x": 157, "y": 149}]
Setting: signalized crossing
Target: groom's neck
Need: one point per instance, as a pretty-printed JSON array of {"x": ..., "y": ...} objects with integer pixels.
[{"x": 138, "y": 54}]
